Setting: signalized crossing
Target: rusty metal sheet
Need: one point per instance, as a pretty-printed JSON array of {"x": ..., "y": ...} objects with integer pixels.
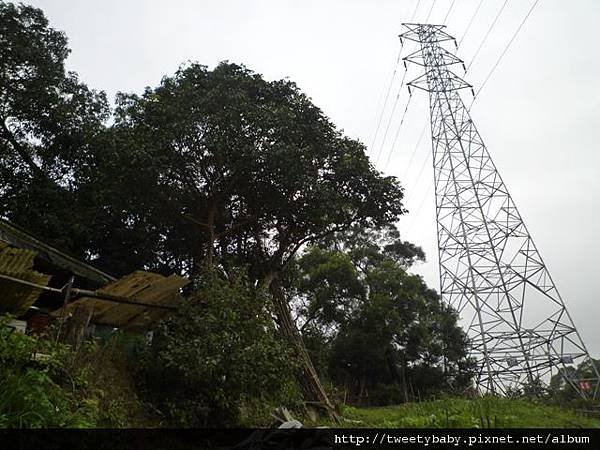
[
  {"x": 145, "y": 287},
  {"x": 18, "y": 263},
  {"x": 17, "y": 237}
]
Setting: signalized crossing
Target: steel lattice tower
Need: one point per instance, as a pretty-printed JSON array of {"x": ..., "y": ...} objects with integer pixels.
[{"x": 490, "y": 270}]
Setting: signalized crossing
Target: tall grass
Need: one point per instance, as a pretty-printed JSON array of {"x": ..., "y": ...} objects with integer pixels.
[{"x": 484, "y": 412}]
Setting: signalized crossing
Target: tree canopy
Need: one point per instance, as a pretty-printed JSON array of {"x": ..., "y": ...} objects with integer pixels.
[
  {"x": 253, "y": 166},
  {"x": 388, "y": 337}
]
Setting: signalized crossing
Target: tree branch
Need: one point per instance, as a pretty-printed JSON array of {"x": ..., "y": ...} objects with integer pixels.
[
  {"x": 22, "y": 151},
  {"x": 236, "y": 226},
  {"x": 197, "y": 222}
]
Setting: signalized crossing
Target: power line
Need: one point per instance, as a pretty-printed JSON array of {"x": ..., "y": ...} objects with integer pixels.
[
  {"x": 421, "y": 203},
  {"x": 448, "y": 13},
  {"x": 388, "y": 91},
  {"x": 414, "y": 185},
  {"x": 504, "y": 51},
  {"x": 430, "y": 10},
  {"x": 414, "y": 151},
  {"x": 470, "y": 22},
  {"x": 387, "y": 95},
  {"x": 415, "y": 11},
  {"x": 489, "y": 30},
  {"x": 387, "y": 128},
  {"x": 398, "y": 131}
]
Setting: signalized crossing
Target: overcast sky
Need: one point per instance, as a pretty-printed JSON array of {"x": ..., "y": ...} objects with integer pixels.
[{"x": 538, "y": 113}]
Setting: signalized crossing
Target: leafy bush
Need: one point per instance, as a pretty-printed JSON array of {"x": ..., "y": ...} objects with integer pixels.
[
  {"x": 48, "y": 384},
  {"x": 217, "y": 356},
  {"x": 30, "y": 394}
]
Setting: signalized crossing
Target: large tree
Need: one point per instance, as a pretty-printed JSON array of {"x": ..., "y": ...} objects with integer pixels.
[
  {"x": 255, "y": 169},
  {"x": 253, "y": 165}
]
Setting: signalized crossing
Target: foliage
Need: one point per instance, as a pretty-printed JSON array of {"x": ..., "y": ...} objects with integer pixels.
[
  {"x": 206, "y": 173},
  {"x": 248, "y": 169},
  {"x": 47, "y": 384},
  {"x": 370, "y": 245},
  {"x": 211, "y": 169},
  {"x": 30, "y": 393},
  {"x": 47, "y": 120},
  {"x": 385, "y": 336},
  {"x": 109, "y": 363},
  {"x": 210, "y": 165},
  {"x": 561, "y": 390},
  {"x": 217, "y": 354}
]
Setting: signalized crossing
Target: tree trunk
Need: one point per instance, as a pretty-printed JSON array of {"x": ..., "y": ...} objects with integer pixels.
[
  {"x": 361, "y": 389},
  {"x": 210, "y": 225},
  {"x": 308, "y": 378}
]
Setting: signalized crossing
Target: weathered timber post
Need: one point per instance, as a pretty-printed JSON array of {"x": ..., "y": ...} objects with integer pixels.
[{"x": 308, "y": 378}]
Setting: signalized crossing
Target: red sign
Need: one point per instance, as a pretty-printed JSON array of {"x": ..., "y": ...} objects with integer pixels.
[{"x": 585, "y": 385}]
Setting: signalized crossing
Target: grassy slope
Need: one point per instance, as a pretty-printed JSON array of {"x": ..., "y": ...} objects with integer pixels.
[{"x": 487, "y": 412}]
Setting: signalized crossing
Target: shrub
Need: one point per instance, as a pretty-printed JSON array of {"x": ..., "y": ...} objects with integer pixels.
[
  {"x": 48, "y": 384},
  {"x": 217, "y": 355},
  {"x": 31, "y": 395}
]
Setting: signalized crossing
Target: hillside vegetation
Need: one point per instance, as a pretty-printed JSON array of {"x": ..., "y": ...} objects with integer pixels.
[{"x": 485, "y": 412}]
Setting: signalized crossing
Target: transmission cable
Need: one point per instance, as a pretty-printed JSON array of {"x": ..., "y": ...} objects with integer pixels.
[
  {"x": 387, "y": 95},
  {"x": 430, "y": 10},
  {"x": 470, "y": 23},
  {"x": 398, "y": 131},
  {"x": 387, "y": 128},
  {"x": 414, "y": 151},
  {"x": 487, "y": 34},
  {"x": 421, "y": 203},
  {"x": 416, "y": 181},
  {"x": 504, "y": 52},
  {"x": 448, "y": 13},
  {"x": 415, "y": 11}
]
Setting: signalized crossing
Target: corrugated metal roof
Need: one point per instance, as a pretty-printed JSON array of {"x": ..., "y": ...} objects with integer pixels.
[
  {"x": 18, "y": 263},
  {"x": 17, "y": 237},
  {"x": 145, "y": 287}
]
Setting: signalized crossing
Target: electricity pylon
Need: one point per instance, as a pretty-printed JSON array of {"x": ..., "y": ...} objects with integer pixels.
[{"x": 490, "y": 270}]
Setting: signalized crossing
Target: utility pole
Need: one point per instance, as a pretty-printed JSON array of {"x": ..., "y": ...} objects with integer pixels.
[{"x": 490, "y": 270}]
